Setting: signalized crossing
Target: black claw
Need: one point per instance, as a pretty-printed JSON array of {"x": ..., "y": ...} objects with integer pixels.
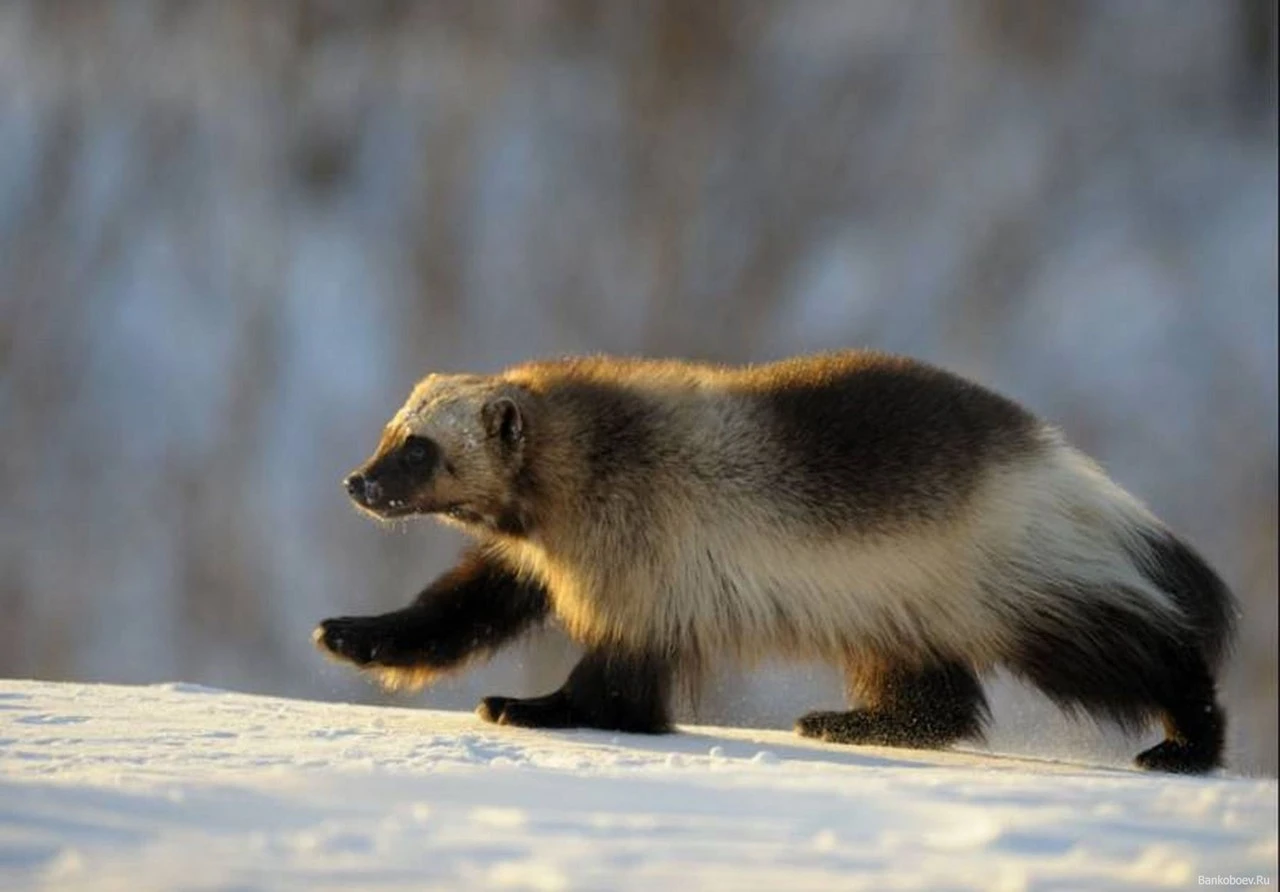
[
  {"x": 551, "y": 711},
  {"x": 1175, "y": 757},
  {"x": 359, "y": 640},
  {"x": 491, "y": 709}
]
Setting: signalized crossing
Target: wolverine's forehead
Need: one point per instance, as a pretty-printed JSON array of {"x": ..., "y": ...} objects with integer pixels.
[{"x": 440, "y": 405}]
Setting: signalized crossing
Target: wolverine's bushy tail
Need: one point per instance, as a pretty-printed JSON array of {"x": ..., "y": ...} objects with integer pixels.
[{"x": 1200, "y": 594}]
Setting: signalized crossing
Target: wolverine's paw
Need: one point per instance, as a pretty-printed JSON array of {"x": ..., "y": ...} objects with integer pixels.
[
  {"x": 839, "y": 727},
  {"x": 363, "y": 640},
  {"x": 551, "y": 711},
  {"x": 1176, "y": 757},
  {"x": 861, "y": 726}
]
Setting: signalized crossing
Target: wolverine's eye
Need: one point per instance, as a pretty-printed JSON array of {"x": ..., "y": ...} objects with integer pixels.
[{"x": 416, "y": 452}]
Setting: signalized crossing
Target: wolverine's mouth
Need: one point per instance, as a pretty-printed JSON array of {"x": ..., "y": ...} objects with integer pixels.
[
  {"x": 392, "y": 509},
  {"x": 397, "y": 509},
  {"x": 402, "y": 508}
]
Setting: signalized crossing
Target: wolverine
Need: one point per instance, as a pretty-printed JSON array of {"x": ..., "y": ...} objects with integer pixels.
[{"x": 912, "y": 527}]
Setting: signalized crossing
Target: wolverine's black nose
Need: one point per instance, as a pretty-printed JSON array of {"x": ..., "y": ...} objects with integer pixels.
[{"x": 362, "y": 489}]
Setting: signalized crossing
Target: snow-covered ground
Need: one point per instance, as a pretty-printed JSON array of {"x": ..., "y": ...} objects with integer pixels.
[{"x": 175, "y": 786}]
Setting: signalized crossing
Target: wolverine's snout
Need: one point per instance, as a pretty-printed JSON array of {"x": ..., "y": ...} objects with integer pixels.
[
  {"x": 364, "y": 491},
  {"x": 387, "y": 489}
]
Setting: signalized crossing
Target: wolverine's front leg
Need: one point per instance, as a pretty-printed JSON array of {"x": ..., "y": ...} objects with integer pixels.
[
  {"x": 608, "y": 689},
  {"x": 472, "y": 610}
]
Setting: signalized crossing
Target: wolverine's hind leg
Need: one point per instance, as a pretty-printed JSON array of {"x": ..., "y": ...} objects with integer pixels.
[
  {"x": 1118, "y": 665},
  {"x": 609, "y": 690},
  {"x": 1195, "y": 724},
  {"x": 1195, "y": 733},
  {"x": 928, "y": 705}
]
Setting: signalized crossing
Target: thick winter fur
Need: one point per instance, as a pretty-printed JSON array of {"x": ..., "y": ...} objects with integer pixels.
[{"x": 858, "y": 508}]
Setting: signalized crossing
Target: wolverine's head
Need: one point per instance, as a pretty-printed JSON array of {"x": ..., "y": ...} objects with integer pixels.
[{"x": 456, "y": 449}]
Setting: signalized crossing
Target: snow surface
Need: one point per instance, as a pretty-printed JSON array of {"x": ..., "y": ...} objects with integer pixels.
[{"x": 178, "y": 786}]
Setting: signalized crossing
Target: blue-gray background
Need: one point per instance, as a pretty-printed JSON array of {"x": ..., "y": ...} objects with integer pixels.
[{"x": 232, "y": 234}]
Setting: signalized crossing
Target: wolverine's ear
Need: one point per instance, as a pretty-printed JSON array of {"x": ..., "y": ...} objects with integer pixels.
[{"x": 502, "y": 418}]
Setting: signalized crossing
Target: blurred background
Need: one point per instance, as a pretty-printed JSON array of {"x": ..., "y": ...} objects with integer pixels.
[{"x": 233, "y": 234}]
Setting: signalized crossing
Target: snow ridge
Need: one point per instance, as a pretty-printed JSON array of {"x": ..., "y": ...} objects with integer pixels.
[{"x": 168, "y": 786}]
